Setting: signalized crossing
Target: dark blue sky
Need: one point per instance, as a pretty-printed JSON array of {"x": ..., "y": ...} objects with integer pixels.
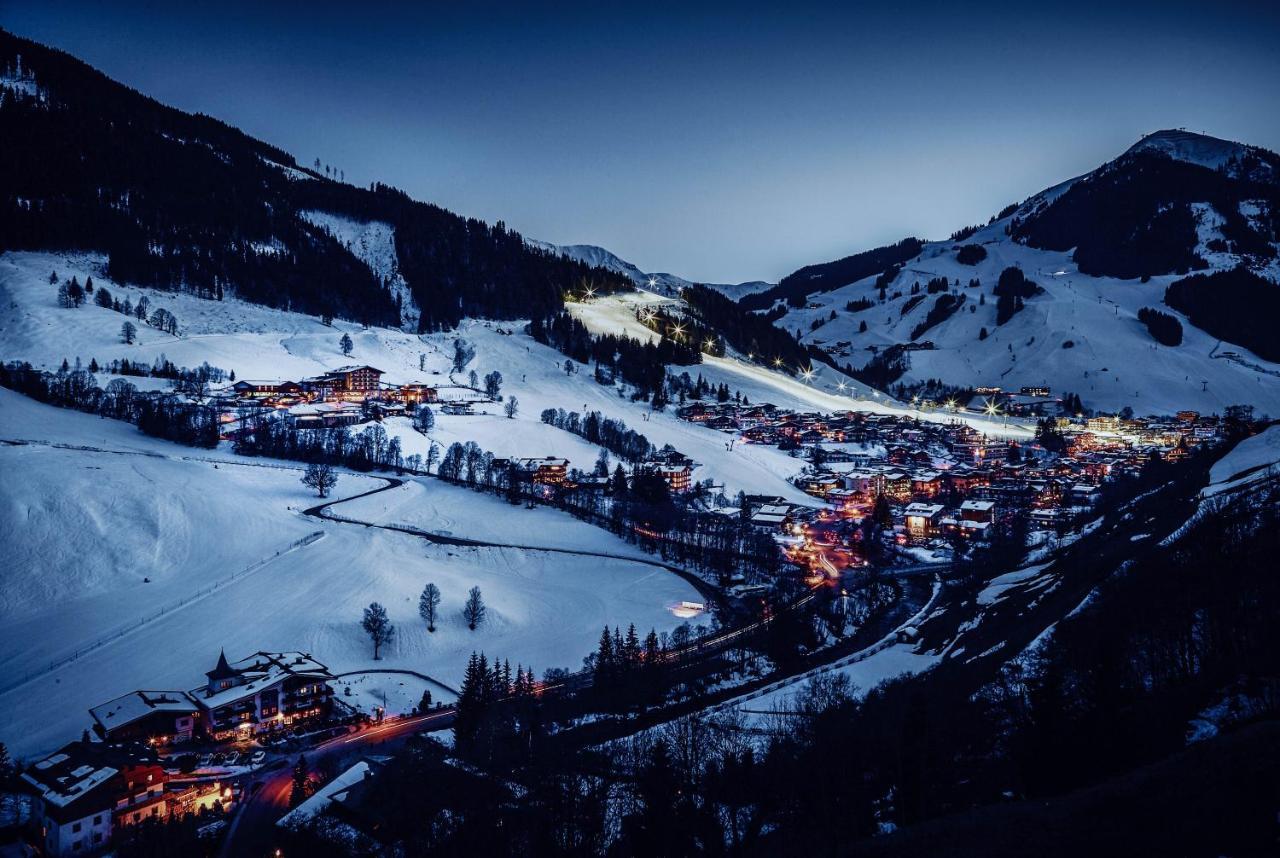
[{"x": 726, "y": 143}]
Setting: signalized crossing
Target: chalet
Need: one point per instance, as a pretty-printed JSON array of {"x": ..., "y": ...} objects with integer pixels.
[
  {"x": 87, "y": 790},
  {"x": 548, "y": 471},
  {"x": 679, "y": 477},
  {"x": 922, "y": 519},
  {"x": 263, "y": 692},
  {"x": 351, "y": 382},
  {"x": 976, "y": 518},
  {"x": 1083, "y": 494},
  {"x": 772, "y": 518},
  {"x": 869, "y": 483},
  {"x": 155, "y": 717},
  {"x": 926, "y": 484},
  {"x": 324, "y": 415},
  {"x": 457, "y": 409},
  {"x": 266, "y": 388},
  {"x": 417, "y": 392},
  {"x": 897, "y": 485}
]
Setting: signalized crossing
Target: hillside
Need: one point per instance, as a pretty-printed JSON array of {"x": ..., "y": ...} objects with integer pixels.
[
  {"x": 1096, "y": 250},
  {"x": 183, "y": 202},
  {"x": 666, "y": 284}
]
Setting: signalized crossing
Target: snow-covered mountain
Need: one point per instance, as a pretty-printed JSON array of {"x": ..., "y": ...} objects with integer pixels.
[
  {"x": 656, "y": 281},
  {"x": 1096, "y": 250}
]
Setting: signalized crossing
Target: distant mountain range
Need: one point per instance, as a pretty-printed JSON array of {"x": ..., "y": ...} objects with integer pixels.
[{"x": 662, "y": 283}]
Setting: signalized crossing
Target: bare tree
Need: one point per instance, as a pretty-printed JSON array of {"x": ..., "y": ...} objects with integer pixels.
[
  {"x": 512, "y": 407},
  {"x": 128, "y": 332},
  {"x": 429, "y": 605},
  {"x": 320, "y": 477},
  {"x": 378, "y": 627},
  {"x": 473, "y": 611}
]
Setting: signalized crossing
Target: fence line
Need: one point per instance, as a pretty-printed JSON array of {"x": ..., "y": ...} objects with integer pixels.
[{"x": 164, "y": 610}]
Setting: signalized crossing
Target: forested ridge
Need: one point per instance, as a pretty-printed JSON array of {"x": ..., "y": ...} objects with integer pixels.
[{"x": 186, "y": 202}]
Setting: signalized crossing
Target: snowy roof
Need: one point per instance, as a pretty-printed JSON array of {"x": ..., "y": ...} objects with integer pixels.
[
  {"x": 334, "y": 790},
  {"x": 76, "y": 771},
  {"x": 262, "y": 670},
  {"x": 978, "y": 505},
  {"x": 138, "y": 704},
  {"x": 353, "y": 368},
  {"x": 924, "y": 509}
]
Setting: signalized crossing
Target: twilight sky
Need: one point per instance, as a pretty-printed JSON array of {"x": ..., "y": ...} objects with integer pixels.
[{"x": 721, "y": 144}]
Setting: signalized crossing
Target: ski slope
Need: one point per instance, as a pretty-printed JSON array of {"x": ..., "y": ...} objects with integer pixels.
[{"x": 615, "y": 314}]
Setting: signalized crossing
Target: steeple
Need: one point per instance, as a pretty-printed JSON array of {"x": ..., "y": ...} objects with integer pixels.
[{"x": 222, "y": 670}]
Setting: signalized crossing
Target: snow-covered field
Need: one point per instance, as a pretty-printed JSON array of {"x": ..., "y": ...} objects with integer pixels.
[{"x": 85, "y": 528}]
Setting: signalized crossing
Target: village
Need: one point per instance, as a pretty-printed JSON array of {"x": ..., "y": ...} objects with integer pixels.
[
  {"x": 935, "y": 485},
  {"x": 889, "y": 491}
]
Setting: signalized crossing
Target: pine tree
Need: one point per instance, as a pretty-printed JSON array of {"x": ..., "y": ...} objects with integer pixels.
[
  {"x": 301, "y": 783},
  {"x": 345, "y": 344},
  {"x": 604, "y": 668}
]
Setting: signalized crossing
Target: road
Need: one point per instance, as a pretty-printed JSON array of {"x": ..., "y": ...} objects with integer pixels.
[{"x": 252, "y": 831}]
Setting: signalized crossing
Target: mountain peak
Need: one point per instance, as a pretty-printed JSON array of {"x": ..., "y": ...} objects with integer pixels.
[{"x": 1182, "y": 145}]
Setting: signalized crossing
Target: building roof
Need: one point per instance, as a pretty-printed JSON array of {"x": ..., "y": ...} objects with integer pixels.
[
  {"x": 924, "y": 509},
  {"x": 222, "y": 670},
  {"x": 73, "y": 781},
  {"x": 342, "y": 370},
  {"x": 139, "y": 704},
  {"x": 261, "y": 670},
  {"x": 978, "y": 505},
  {"x": 334, "y": 791}
]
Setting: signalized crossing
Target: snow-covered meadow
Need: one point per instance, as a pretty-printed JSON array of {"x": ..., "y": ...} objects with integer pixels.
[{"x": 86, "y": 528}]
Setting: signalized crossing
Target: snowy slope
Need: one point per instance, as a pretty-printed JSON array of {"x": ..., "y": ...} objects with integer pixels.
[
  {"x": 374, "y": 244},
  {"x": 1081, "y": 335},
  {"x": 616, "y": 314},
  {"x": 1190, "y": 147},
  {"x": 258, "y": 342},
  {"x": 666, "y": 284},
  {"x": 99, "y": 522}
]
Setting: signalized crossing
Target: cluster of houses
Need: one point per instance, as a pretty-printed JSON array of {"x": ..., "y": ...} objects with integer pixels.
[
  {"x": 113, "y": 777},
  {"x": 944, "y": 478},
  {"x": 675, "y": 469},
  {"x": 341, "y": 397}
]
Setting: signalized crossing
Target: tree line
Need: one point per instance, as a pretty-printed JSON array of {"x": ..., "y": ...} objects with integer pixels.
[{"x": 158, "y": 414}]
